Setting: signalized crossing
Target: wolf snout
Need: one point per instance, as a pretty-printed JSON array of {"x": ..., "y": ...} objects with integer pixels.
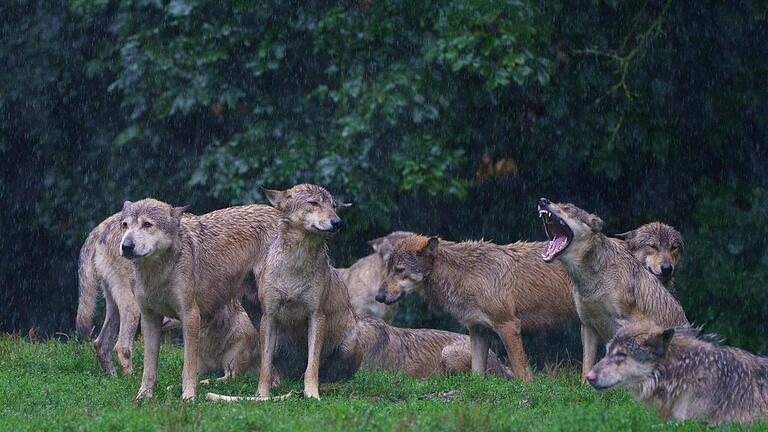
[
  {"x": 336, "y": 223},
  {"x": 544, "y": 201},
  {"x": 381, "y": 297},
  {"x": 127, "y": 247},
  {"x": 592, "y": 378},
  {"x": 666, "y": 269}
]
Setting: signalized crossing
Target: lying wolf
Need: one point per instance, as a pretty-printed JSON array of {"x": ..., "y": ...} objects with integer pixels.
[
  {"x": 306, "y": 313},
  {"x": 188, "y": 268},
  {"x": 419, "y": 353},
  {"x": 684, "y": 375},
  {"x": 506, "y": 289},
  {"x": 657, "y": 246},
  {"x": 365, "y": 276},
  {"x": 610, "y": 283}
]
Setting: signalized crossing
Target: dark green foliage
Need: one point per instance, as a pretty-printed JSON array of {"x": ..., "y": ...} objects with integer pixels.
[{"x": 635, "y": 110}]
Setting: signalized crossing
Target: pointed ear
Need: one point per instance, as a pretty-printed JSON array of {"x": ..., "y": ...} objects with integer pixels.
[
  {"x": 275, "y": 197},
  {"x": 127, "y": 205},
  {"x": 626, "y": 236},
  {"x": 659, "y": 342},
  {"x": 176, "y": 212},
  {"x": 595, "y": 223},
  {"x": 431, "y": 246},
  {"x": 376, "y": 243}
]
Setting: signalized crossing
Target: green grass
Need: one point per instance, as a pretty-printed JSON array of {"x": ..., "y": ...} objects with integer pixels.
[{"x": 56, "y": 385}]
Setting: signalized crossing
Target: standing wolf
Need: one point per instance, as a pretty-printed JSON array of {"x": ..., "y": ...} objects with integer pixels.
[
  {"x": 101, "y": 265},
  {"x": 188, "y": 268},
  {"x": 505, "y": 289},
  {"x": 306, "y": 314},
  {"x": 610, "y": 283},
  {"x": 684, "y": 375}
]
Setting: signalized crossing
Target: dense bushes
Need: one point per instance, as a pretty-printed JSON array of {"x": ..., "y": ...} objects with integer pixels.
[{"x": 446, "y": 117}]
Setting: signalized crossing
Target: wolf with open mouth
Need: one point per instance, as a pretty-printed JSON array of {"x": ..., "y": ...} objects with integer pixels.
[{"x": 610, "y": 284}]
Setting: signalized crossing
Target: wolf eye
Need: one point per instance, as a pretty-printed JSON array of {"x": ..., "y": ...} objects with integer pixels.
[
  {"x": 146, "y": 225},
  {"x": 619, "y": 356},
  {"x": 399, "y": 270},
  {"x": 314, "y": 203}
]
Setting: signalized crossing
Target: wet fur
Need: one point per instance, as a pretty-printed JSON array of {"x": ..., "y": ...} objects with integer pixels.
[
  {"x": 197, "y": 269},
  {"x": 654, "y": 244},
  {"x": 366, "y": 275},
  {"x": 610, "y": 283},
  {"x": 506, "y": 289},
  {"x": 419, "y": 353},
  {"x": 692, "y": 377},
  {"x": 307, "y": 323}
]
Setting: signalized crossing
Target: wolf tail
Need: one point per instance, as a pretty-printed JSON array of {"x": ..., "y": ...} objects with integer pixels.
[{"x": 88, "y": 287}]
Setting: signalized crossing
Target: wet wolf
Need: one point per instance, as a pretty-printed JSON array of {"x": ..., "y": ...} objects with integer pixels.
[
  {"x": 506, "y": 289},
  {"x": 419, "y": 353},
  {"x": 188, "y": 268},
  {"x": 365, "y": 276},
  {"x": 307, "y": 318},
  {"x": 685, "y": 375},
  {"x": 101, "y": 267},
  {"x": 657, "y": 246},
  {"x": 610, "y": 283}
]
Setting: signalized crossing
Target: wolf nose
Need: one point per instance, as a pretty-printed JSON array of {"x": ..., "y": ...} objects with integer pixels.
[
  {"x": 127, "y": 247},
  {"x": 591, "y": 377},
  {"x": 544, "y": 201},
  {"x": 336, "y": 223},
  {"x": 666, "y": 269},
  {"x": 381, "y": 297}
]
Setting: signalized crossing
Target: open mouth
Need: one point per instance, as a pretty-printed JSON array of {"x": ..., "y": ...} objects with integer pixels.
[{"x": 558, "y": 232}]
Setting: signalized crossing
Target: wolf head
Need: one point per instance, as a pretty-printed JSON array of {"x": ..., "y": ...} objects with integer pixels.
[
  {"x": 384, "y": 246},
  {"x": 408, "y": 267},
  {"x": 149, "y": 227},
  {"x": 307, "y": 207},
  {"x": 657, "y": 246},
  {"x": 631, "y": 356},
  {"x": 566, "y": 224}
]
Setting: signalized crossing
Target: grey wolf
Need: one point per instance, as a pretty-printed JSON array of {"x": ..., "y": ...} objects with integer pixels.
[
  {"x": 419, "y": 352},
  {"x": 306, "y": 313},
  {"x": 365, "y": 276},
  {"x": 101, "y": 267},
  {"x": 506, "y": 289},
  {"x": 188, "y": 268},
  {"x": 610, "y": 283},
  {"x": 657, "y": 246},
  {"x": 684, "y": 375}
]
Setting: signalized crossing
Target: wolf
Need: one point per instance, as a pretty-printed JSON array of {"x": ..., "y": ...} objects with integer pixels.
[
  {"x": 188, "y": 268},
  {"x": 365, "y": 276},
  {"x": 506, "y": 289},
  {"x": 610, "y": 283},
  {"x": 657, "y": 246},
  {"x": 419, "y": 353},
  {"x": 101, "y": 266},
  {"x": 306, "y": 312},
  {"x": 684, "y": 375}
]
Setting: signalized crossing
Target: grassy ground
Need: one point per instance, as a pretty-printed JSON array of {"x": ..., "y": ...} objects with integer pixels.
[{"x": 55, "y": 385}]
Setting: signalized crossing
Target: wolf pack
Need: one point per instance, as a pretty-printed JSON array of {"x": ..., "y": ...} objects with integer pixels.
[{"x": 252, "y": 287}]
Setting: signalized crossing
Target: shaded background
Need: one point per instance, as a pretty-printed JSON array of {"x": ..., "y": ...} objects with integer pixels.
[{"x": 445, "y": 117}]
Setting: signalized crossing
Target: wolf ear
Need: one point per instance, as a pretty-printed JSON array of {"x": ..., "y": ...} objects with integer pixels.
[
  {"x": 595, "y": 223},
  {"x": 431, "y": 246},
  {"x": 176, "y": 212},
  {"x": 127, "y": 205},
  {"x": 376, "y": 243},
  {"x": 659, "y": 342},
  {"x": 275, "y": 197}
]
